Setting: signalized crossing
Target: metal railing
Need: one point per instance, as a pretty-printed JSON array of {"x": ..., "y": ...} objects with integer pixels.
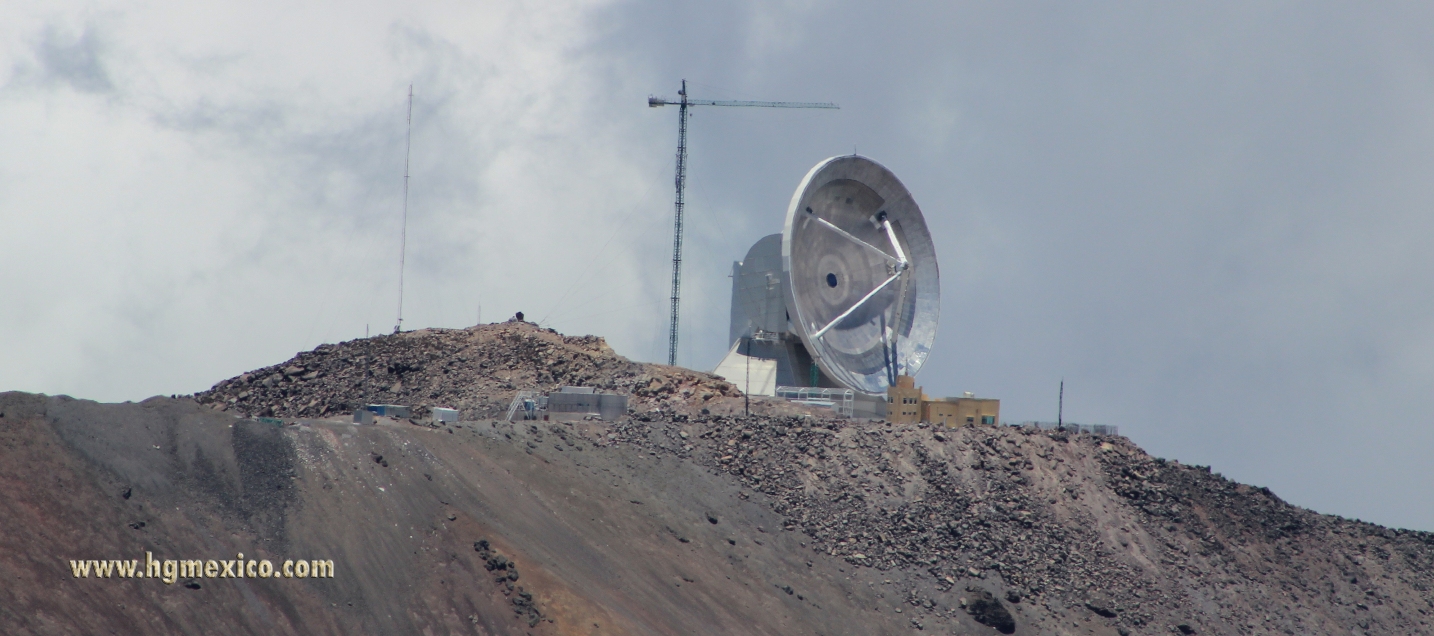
[
  {"x": 843, "y": 401},
  {"x": 530, "y": 402},
  {"x": 1089, "y": 429}
]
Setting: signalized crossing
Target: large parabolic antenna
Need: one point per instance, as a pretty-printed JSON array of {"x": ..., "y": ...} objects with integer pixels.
[{"x": 858, "y": 287}]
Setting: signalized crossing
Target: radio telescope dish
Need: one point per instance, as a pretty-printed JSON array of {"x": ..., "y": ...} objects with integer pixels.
[{"x": 859, "y": 272}]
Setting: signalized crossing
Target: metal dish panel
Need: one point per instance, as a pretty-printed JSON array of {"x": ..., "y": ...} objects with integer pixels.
[{"x": 827, "y": 271}]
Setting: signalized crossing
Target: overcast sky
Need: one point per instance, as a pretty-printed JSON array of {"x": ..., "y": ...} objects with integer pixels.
[{"x": 1212, "y": 220}]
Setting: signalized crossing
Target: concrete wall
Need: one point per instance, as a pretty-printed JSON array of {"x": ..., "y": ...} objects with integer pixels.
[
  {"x": 390, "y": 410},
  {"x": 963, "y": 411},
  {"x": 576, "y": 405}
]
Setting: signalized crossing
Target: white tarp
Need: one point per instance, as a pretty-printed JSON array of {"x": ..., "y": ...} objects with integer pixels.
[{"x": 752, "y": 375}]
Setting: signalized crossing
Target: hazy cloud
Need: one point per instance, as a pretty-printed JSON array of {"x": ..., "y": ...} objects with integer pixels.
[
  {"x": 1211, "y": 220},
  {"x": 70, "y": 59}
]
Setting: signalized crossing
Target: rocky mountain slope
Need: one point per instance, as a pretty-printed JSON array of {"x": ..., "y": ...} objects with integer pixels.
[
  {"x": 669, "y": 521},
  {"x": 1092, "y": 533}
]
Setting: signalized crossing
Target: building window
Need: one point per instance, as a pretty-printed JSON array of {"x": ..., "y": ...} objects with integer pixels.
[{"x": 988, "y": 419}]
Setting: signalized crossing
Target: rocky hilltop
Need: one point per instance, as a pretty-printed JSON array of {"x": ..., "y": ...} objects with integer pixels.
[
  {"x": 476, "y": 370},
  {"x": 684, "y": 517}
]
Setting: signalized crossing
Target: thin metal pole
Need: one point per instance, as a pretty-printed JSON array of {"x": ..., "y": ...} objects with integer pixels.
[
  {"x": 746, "y": 393},
  {"x": 677, "y": 225},
  {"x": 1061, "y": 407},
  {"x": 403, "y": 236}
]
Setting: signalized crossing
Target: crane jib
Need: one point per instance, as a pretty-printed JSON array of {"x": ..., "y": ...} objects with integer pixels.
[
  {"x": 654, "y": 102},
  {"x": 657, "y": 101}
]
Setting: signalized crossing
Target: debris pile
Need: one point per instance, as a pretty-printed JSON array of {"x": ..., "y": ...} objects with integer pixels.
[
  {"x": 1080, "y": 522},
  {"x": 476, "y": 370},
  {"x": 1075, "y": 524}
]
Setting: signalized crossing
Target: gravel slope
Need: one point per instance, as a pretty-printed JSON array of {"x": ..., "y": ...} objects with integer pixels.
[{"x": 685, "y": 517}]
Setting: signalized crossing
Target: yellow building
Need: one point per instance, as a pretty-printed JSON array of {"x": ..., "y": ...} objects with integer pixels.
[
  {"x": 908, "y": 404},
  {"x": 903, "y": 401},
  {"x": 961, "y": 411}
]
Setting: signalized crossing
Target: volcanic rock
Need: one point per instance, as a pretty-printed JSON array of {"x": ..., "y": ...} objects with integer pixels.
[
  {"x": 879, "y": 526},
  {"x": 476, "y": 370},
  {"x": 988, "y": 611}
]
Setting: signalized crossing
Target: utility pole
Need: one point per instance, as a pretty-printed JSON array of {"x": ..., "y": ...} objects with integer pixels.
[
  {"x": 1061, "y": 407},
  {"x": 747, "y": 390},
  {"x": 403, "y": 237},
  {"x": 682, "y": 104}
]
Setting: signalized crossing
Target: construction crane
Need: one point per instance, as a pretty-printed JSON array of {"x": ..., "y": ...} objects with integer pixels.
[{"x": 682, "y": 104}]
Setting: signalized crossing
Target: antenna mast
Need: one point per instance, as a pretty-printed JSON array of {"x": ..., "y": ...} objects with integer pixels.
[
  {"x": 1061, "y": 407},
  {"x": 403, "y": 236},
  {"x": 677, "y": 223},
  {"x": 682, "y": 106}
]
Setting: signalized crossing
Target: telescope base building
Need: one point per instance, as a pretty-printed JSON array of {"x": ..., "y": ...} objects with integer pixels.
[{"x": 906, "y": 403}]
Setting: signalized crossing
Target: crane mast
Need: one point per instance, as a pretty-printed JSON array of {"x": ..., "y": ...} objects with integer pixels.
[{"x": 682, "y": 104}]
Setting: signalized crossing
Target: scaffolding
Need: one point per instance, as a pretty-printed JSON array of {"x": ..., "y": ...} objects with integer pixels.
[
  {"x": 530, "y": 402},
  {"x": 843, "y": 401}
]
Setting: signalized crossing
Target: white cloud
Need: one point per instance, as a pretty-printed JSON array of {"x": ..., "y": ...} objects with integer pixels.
[
  {"x": 233, "y": 193},
  {"x": 1212, "y": 221}
]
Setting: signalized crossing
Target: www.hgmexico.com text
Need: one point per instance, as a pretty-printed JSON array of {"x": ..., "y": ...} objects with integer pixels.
[{"x": 171, "y": 570}]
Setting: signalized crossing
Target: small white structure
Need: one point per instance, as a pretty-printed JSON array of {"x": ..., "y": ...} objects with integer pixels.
[{"x": 444, "y": 415}]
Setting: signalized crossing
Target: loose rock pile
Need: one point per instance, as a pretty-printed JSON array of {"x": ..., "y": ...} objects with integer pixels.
[
  {"x": 1075, "y": 522},
  {"x": 1062, "y": 524},
  {"x": 476, "y": 370}
]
